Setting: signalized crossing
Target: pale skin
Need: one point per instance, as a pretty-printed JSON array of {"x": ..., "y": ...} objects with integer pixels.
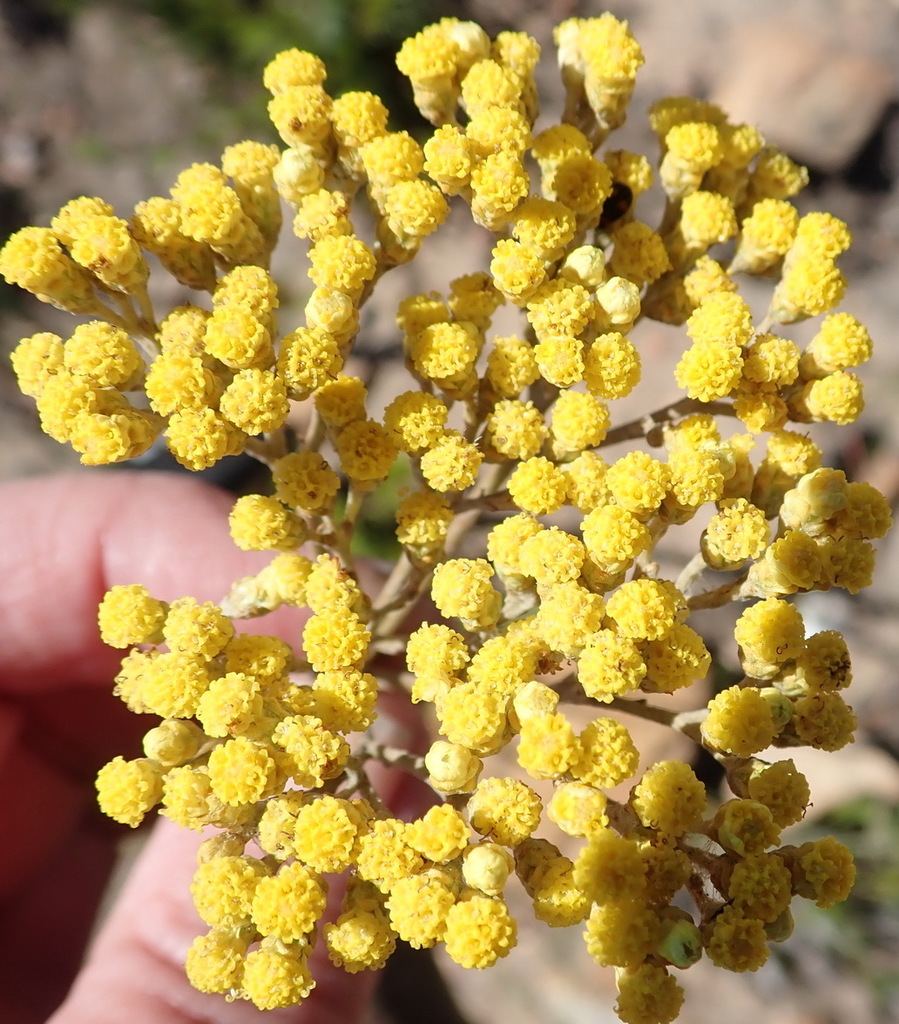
[{"x": 66, "y": 539}]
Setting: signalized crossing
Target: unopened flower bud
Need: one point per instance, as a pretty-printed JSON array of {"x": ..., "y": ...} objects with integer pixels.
[
  {"x": 173, "y": 742},
  {"x": 486, "y": 866},
  {"x": 298, "y": 173},
  {"x": 620, "y": 300},
  {"x": 533, "y": 699},
  {"x": 781, "y": 929},
  {"x": 452, "y": 768},
  {"x": 681, "y": 942},
  {"x": 586, "y": 265}
]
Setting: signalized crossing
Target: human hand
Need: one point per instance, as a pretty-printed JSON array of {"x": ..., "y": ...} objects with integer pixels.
[{"x": 66, "y": 540}]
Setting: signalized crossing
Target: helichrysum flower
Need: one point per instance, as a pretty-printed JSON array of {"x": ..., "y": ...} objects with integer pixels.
[
  {"x": 608, "y": 754},
  {"x": 610, "y": 664},
  {"x": 610, "y": 867},
  {"x": 129, "y": 615},
  {"x": 360, "y": 940},
  {"x": 518, "y": 270},
  {"x": 559, "y": 598},
  {"x": 479, "y": 931},
  {"x": 462, "y": 588},
  {"x": 823, "y": 871},
  {"x": 418, "y": 907},
  {"x": 304, "y": 480},
  {"x": 538, "y": 486},
  {"x": 451, "y": 464},
  {"x": 611, "y": 366},
  {"x": 258, "y": 523},
  {"x": 623, "y": 933},
  {"x": 126, "y": 790},
  {"x": 740, "y": 721},
  {"x": 505, "y": 809},
  {"x": 415, "y": 420}
]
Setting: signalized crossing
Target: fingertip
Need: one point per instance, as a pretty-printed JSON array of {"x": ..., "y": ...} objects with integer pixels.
[{"x": 77, "y": 534}]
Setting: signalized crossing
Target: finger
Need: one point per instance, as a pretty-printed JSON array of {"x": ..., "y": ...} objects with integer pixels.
[
  {"x": 47, "y": 923},
  {"x": 70, "y": 537},
  {"x": 67, "y": 539},
  {"x": 86, "y": 533}
]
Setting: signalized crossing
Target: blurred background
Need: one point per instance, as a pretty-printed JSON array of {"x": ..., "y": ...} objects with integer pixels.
[{"x": 113, "y": 99}]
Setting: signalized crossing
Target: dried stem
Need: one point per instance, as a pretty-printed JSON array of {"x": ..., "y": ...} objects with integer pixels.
[
  {"x": 315, "y": 432},
  {"x": 407, "y": 582},
  {"x": 269, "y": 448},
  {"x": 395, "y": 757},
  {"x": 649, "y": 426},
  {"x": 621, "y": 817},
  {"x": 720, "y": 595},
  {"x": 686, "y": 722},
  {"x": 691, "y": 573},
  {"x": 394, "y": 592},
  {"x": 148, "y": 315},
  {"x": 500, "y": 501}
]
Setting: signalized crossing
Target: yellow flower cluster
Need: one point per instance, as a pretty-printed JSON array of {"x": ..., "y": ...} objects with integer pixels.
[{"x": 260, "y": 738}]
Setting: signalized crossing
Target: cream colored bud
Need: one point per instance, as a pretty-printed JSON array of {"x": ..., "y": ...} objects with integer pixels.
[
  {"x": 330, "y": 310},
  {"x": 452, "y": 768},
  {"x": 681, "y": 942},
  {"x": 817, "y": 497},
  {"x": 299, "y": 172},
  {"x": 620, "y": 299},
  {"x": 472, "y": 40},
  {"x": 173, "y": 742},
  {"x": 766, "y": 578},
  {"x": 781, "y": 928},
  {"x": 487, "y": 866},
  {"x": 578, "y": 809},
  {"x": 221, "y": 845},
  {"x": 678, "y": 179},
  {"x": 567, "y": 37},
  {"x": 779, "y": 703},
  {"x": 586, "y": 265},
  {"x": 533, "y": 699}
]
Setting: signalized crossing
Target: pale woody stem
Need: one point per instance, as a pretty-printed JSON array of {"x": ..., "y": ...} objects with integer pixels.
[
  {"x": 648, "y": 426},
  {"x": 720, "y": 595},
  {"x": 125, "y": 323},
  {"x": 315, "y": 432},
  {"x": 407, "y": 582},
  {"x": 691, "y": 573},
  {"x": 395, "y": 757},
  {"x": 354, "y": 778},
  {"x": 148, "y": 316},
  {"x": 271, "y": 448},
  {"x": 686, "y": 722},
  {"x": 344, "y": 531},
  {"x": 126, "y": 311}
]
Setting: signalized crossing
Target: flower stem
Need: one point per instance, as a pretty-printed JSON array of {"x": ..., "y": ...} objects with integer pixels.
[
  {"x": 691, "y": 573},
  {"x": 649, "y": 426},
  {"x": 720, "y": 595}
]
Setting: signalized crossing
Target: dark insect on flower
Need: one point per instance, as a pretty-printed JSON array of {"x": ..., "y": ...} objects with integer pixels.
[{"x": 620, "y": 200}]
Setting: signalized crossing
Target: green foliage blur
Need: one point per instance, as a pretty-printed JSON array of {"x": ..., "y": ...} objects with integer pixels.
[
  {"x": 357, "y": 39},
  {"x": 860, "y": 936}
]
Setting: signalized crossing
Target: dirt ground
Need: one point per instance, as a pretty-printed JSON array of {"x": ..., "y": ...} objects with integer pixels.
[{"x": 113, "y": 107}]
